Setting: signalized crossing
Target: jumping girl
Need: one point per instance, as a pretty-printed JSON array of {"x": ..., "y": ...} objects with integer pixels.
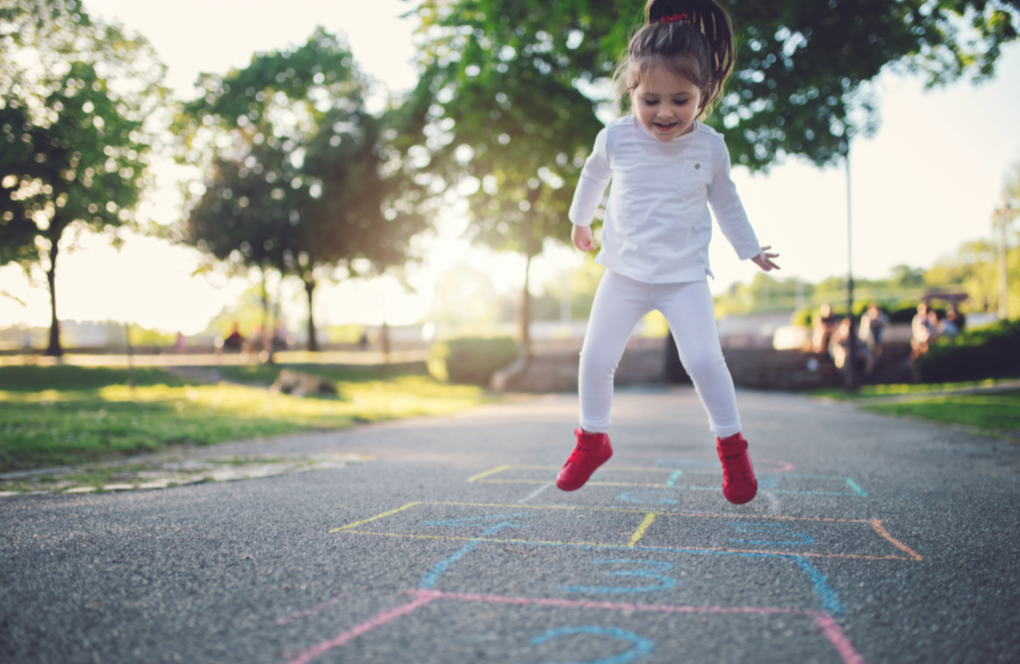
[{"x": 666, "y": 169}]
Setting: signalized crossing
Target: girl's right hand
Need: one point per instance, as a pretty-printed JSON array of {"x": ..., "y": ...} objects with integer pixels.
[
  {"x": 581, "y": 237},
  {"x": 764, "y": 260}
]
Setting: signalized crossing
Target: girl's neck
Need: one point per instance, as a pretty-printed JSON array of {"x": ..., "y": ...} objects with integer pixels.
[{"x": 693, "y": 128}]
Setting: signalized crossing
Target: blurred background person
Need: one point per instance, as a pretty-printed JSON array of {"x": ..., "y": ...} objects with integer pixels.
[
  {"x": 874, "y": 323},
  {"x": 824, "y": 327}
]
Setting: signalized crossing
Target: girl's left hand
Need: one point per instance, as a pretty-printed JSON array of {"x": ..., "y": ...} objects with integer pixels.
[{"x": 764, "y": 260}]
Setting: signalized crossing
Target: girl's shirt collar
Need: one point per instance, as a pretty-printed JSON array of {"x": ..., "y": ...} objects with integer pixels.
[{"x": 679, "y": 139}]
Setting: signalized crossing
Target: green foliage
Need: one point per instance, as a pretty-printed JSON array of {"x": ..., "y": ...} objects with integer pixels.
[
  {"x": 989, "y": 352},
  {"x": 465, "y": 296},
  {"x": 975, "y": 267},
  {"x": 899, "y": 302},
  {"x": 345, "y": 334},
  {"x": 60, "y": 415},
  {"x": 997, "y": 412},
  {"x": 867, "y": 392},
  {"x": 802, "y": 318},
  {"x": 471, "y": 360},
  {"x": 903, "y": 312},
  {"x": 511, "y": 126},
  {"x": 77, "y": 105},
  {"x": 143, "y": 336},
  {"x": 897, "y": 311},
  {"x": 581, "y": 283},
  {"x": 512, "y": 121},
  {"x": 801, "y": 65},
  {"x": 247, "y": 314},
  {"x": 71, "y": 378},
  {"x": 301, "y": 177}
]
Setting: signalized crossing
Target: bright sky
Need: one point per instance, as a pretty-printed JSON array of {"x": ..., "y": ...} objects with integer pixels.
[{"x": 926, "y": 182}]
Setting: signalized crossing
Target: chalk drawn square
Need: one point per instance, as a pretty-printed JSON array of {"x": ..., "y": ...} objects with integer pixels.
[
  {"x": 686, "y": 477},
  {"x": 629, "y": 575},
  {"x": 646, "y": 529},
  {"x": 442, "y": 627}
]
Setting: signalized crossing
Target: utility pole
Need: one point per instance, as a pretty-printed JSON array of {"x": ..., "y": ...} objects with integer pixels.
[{"x": 851, "y": 346}]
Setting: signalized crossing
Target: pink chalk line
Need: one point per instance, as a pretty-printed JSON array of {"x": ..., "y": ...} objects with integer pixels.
[
  {"x": 826, "y": 624},
  {"x": 314, "y": 609},
  {"x": 358, "y": 630},
  {"x": 784, "y": 466}
]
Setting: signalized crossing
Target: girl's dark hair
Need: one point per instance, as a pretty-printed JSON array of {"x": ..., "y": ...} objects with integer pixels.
[{"x": 698, "y": 47}]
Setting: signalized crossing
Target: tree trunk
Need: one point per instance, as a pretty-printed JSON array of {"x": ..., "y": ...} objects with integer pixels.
[
  {"x": 54, "y": 348},
  {"x": 525, "y": 312},
  {"x": 384, "y": 338},
  {"x": 313, "y": 343},
  {"x": 267, "y": 334}
]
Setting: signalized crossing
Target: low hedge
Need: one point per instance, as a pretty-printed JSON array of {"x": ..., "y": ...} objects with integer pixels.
[
  {"x": 988, "y": 352},
  {"x": 897, "y": 312},
  {"x": 471, "y": 360}
]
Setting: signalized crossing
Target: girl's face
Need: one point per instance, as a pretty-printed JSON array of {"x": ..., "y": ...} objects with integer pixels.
[{"x": 666, "y": 104}]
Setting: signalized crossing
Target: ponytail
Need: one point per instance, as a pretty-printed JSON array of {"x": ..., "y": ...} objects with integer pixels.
[{"x": 694, "y": 38}]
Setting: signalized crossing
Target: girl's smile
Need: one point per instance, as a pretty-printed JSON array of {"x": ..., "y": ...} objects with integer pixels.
[{"x": 666, "y": 104}]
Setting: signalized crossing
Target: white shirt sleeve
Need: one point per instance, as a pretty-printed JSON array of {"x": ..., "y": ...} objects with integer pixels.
[
  {"x": 729, "y": 211},
  {"x": 592, "y": 184}
]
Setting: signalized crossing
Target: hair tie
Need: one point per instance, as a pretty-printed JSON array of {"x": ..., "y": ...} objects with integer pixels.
[{"x": 676, "y": 18}]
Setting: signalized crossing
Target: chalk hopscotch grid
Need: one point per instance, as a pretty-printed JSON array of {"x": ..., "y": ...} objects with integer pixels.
[
  {"x": 819, "y": 583},
  {"x": 649, "y": 517},
  {"x": 826, "y": 624},
  {"x": 671, "y": 482},
  {"x": 426, "y": 594}
]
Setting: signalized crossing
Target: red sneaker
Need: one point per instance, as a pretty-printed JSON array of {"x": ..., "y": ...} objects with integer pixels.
[
  {"x": 592, "y": 450},
  {"x": 739, "y": 484}
]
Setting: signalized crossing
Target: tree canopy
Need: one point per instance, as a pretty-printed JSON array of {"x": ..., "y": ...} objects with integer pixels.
[
  {"x": 300, "y": 177},
  {"x": 802, "y": 66},
  {"x": 75, "y": 97},
  {"x": 517, "y": 86}
]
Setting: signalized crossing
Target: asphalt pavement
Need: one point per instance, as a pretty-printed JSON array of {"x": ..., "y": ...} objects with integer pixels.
[{"x": 872, "y": 539}]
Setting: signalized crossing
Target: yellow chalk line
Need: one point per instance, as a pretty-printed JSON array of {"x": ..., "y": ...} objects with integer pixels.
[
  {"x": 378, "y": 516},
  {"x": 552, "y": 507},
  {"x": 640, "y": 532},
  {"x": 603, "y": 470},
  {"x": 590, "y": 483},
  {"x": 599, "y": 545},
  {"x": 876, "y": 525},
  {"x": 495, "y": 470},
  {"x": 698, "y": 515}
]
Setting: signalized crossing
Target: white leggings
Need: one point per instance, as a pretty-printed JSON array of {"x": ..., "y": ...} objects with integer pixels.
[{"x": 620, "y": 303}]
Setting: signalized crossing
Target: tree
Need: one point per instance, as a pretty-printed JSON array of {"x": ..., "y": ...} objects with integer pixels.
[
  {"x": 74, "y": 99},
  {"x": 904, "y": 276},
  {"x": 516, "y": 127},
  {"x": 301, "y": 176},
  {"x": 507, "y": 78},
  {"x": 802, "y": 66}
]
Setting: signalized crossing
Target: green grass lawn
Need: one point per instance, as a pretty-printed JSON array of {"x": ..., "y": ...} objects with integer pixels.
[
  {"x": 869, "y": 391},
  {"x": 996, "y": 413},
  {"x": 61, "y": 415}
]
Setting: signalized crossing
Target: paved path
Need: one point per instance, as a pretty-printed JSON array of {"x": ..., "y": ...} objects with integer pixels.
[{"x": 872, "y": 540}]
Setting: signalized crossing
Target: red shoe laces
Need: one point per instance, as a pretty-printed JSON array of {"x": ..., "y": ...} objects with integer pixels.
[
  {"x": 736, "y": 463},
  {"x": 580, "y": 455}
]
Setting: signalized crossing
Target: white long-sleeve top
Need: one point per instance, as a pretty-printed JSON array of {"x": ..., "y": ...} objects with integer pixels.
[{"x": 657, "y": 224}]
